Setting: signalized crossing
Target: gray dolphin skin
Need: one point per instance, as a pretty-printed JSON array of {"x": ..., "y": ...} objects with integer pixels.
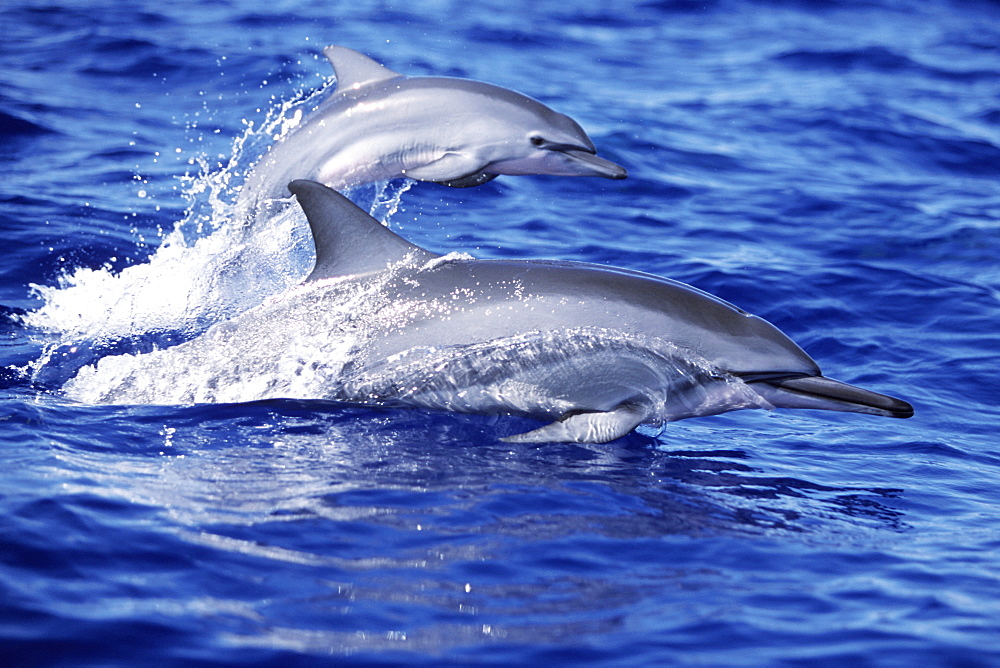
[
  {"x": 596, "y": 349},
  {"x": 380, "y": 125}
]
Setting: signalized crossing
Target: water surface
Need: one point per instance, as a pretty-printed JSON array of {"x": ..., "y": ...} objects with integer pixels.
[{"x": 832, "y": 167}]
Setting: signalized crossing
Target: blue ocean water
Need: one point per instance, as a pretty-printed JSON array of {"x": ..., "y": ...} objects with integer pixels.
[{"x": 832, "y": 167}]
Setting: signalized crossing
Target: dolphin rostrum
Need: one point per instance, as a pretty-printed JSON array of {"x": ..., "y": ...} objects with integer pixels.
[
  {"x": 599, "y": 350},
  {"x": 380, "y": 125}
]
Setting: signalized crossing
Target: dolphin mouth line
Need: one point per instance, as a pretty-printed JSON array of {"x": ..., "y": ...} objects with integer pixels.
[{"x": 592, "y": 163}]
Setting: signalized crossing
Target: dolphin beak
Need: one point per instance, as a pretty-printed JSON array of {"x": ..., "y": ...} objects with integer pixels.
[
  {"x": 584, "y": 163},
  {"x": 830, "y": 395}
]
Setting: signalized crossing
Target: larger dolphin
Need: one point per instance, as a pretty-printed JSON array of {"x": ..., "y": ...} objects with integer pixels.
[
  {"x": 379, "y": 125},
  {"x": 598, "y": 350}
]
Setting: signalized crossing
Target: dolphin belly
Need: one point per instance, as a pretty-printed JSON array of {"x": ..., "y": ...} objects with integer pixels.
[{"x": 554, "y": 374}]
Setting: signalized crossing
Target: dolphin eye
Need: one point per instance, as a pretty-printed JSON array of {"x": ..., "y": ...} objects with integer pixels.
[{"x": 537, "y": 141}]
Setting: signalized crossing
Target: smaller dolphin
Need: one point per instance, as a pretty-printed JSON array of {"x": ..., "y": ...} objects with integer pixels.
[
  {"x": 380, "y": 125},
  {"x": 599, "y": 350}
]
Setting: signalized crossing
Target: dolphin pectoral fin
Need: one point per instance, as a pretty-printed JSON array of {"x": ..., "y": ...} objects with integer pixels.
[
  {"x": 354, "y": 70},
  {"x": 469, "y": 181},
  {"x": 451, "y": 167},
  {"x": 589, "y": 427}
]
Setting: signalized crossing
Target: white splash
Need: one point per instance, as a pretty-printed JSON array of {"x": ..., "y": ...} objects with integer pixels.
[
  {"x": 211, "y": 267},
  {"x": 294, "y": 345}
]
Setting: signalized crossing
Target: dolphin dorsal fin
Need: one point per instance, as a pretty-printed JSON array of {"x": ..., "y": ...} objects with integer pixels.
[
  {"x": 354, "y": 70},
  {"x": 348, "y": 241}
]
